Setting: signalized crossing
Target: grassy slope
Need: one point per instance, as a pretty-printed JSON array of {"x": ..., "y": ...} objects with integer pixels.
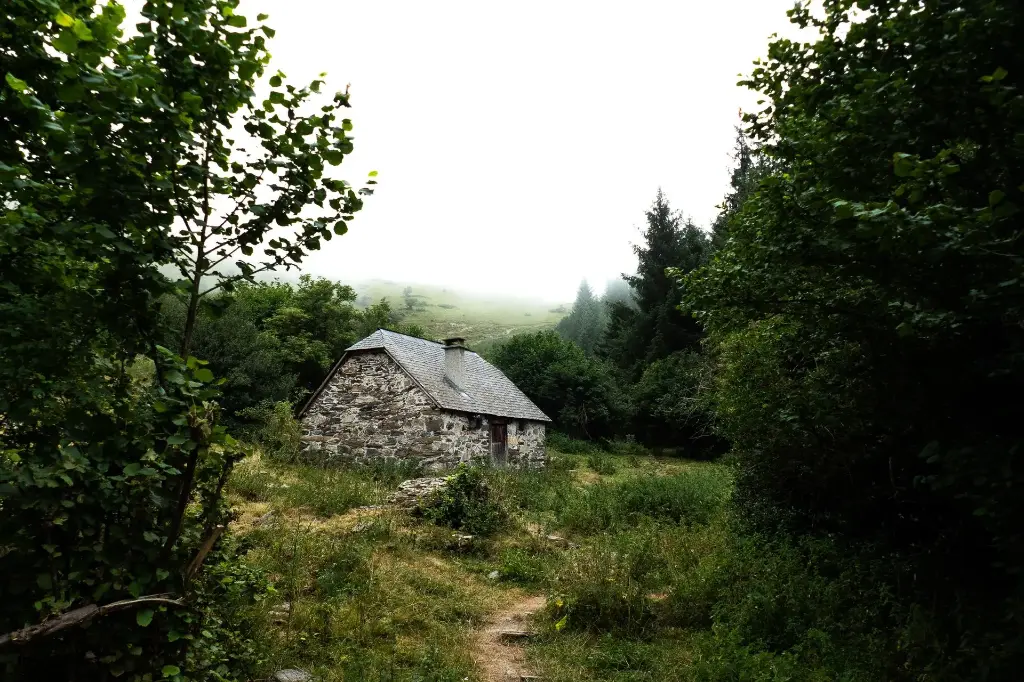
[
  {"x": 378, "y": 595},
  {"x": 481, "y": 319}
]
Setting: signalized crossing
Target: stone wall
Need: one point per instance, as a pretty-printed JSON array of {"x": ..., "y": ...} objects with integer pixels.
[{"x": 372, "y": 410}]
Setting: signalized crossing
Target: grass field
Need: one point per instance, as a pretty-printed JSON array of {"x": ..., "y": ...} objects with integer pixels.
[
  {"x": 482, "y": 319},
  {"x": 603, "y": 545}
]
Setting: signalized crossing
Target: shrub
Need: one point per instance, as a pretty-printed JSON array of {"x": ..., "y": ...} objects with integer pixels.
[
  {"x": 465, "y": 503},
  {"x": 604, "y": 586},
  {"x": 571, "y": 446},
  {"x": 276, "y": 430},
  {"x": 629, "y": 448}
]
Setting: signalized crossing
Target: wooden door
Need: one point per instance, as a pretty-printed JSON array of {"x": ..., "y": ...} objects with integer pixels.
[{"x": 499, "y": 441}]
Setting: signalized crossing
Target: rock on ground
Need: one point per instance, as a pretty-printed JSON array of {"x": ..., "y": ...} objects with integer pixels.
[
  {"x": 291, "y": 675},
  {"x": 411, "y": 492}
]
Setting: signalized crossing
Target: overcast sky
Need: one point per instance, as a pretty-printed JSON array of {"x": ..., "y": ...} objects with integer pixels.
[{"x": 519, "y": 143}]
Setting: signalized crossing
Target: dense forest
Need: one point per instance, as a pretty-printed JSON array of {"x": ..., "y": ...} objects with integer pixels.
[{"x": 846, "y": 337}]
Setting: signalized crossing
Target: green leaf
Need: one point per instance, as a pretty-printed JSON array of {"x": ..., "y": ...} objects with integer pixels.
[
  {"x": 16, "y": 83},
  {"x": 237, "y": 20},
  {"x": 44, "y": 581},
  {"x": 204, "y": 375},
  {"x": 65, "y": 20},
  {"x": 373, "y": 174},
  {"x": 144, "y": 617},
  {"x": 66, "y": 42},
  {"x": 903, "y": 165},
  {"x": 174, "y": 376},
  {"x": 262, "y": 17},
  {"x": 170, "y": 670},
  {"x": 132, "y": 469},
  {"x": 995, "y": 196},
  {"x": 999, "y": 74},
  {"x": 82, "y": 32},
  {"x": 340, "y": 228},
  {"x": 177, "y": 440},
  {"x": 157, "y": 100},
  {"x": 275, "y": 81}
]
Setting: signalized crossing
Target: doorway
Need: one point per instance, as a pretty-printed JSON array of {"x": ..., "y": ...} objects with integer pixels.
[{"x": 499, "y": 444}]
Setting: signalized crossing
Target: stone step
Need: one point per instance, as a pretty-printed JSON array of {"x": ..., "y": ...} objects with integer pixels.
[{"x": 514, "y": 635}]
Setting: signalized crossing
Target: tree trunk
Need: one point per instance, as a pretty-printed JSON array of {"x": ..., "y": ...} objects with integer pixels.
[{"x": 193, "y": 308}]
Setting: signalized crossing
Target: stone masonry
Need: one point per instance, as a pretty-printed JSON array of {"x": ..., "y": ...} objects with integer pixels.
[{"x": 371, "y": 410}]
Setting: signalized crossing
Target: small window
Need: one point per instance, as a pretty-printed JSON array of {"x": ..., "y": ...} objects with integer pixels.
[{"x": 521, "y": 426}]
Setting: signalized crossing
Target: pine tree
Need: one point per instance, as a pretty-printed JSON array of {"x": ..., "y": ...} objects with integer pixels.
[
  {"x": 751, "y": 166},
  {"x": 656, "y": 327},
  {"x": 585, "y": 323}
]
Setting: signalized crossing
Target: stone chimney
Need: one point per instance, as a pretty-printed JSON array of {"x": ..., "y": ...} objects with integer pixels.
[{"x": 455, "y": 361}]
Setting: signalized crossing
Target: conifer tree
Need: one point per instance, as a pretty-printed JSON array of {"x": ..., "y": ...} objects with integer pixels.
[
  {"x": 656, "y": 327},
  {"x": 585, "y": 323}
]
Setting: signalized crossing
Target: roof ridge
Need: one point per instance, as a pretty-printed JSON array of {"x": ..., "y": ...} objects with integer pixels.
[{"x": 409, "y": 336}]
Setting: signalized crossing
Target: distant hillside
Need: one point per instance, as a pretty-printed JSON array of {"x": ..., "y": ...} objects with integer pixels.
[{"x": 443, "y": 312}]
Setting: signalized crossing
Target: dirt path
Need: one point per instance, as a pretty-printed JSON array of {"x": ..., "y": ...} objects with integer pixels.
[{"x": 499, "y": 656}]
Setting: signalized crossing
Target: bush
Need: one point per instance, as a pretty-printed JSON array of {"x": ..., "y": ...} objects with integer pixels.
[
  {"x": 571, "y": 446},
  {"x": 604, "y": 586},
  {"x": 275, "y": 430},
  {"x": 465, "y": 503}
]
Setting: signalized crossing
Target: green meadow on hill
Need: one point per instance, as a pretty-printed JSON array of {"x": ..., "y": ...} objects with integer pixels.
[{"x": 443, "y": 312}]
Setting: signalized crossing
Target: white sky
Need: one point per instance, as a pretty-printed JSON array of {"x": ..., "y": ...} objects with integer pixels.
[{"x": 519, "y": 143}]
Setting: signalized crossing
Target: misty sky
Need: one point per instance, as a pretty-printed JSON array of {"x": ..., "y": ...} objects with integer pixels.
[{"x": 519, "y": 143}]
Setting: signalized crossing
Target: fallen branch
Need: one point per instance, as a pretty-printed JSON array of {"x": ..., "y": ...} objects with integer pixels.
[
  {"x": 80, "y": 616},
  {"x": 207, "y": 545}
]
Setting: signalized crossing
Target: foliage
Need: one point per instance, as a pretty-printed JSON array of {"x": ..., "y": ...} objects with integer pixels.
[
  {"x": 604, "y": 586},
  {"x": 751, "y": 166},
  {"x": 578, "y": 392},
  {"x": 863, "y": 314},
  {"x": 465, "y": 502},
  {"x": 233, "y": 195},
  {"x": 670, "y": 401},
  {"x": 277, "y": 431},
  {"x": 111, "y": 474},
  {"x": 558, "y": 441},
  {"x": 273, "y": 342}
]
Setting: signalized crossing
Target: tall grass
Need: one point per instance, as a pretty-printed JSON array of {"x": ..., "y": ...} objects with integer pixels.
[{"x": 692, "y": 496}]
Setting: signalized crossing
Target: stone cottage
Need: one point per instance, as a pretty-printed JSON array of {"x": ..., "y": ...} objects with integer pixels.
[{"x": 399, "y": 397}]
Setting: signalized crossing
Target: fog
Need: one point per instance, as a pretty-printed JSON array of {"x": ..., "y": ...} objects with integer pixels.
[{"x": 518, "y": 144}]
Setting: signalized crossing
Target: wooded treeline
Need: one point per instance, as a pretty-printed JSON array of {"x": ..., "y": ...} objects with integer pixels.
[{"x": 852, "y": 331}]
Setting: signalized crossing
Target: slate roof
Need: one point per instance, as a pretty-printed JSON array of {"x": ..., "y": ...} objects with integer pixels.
[{"x": 487, "y": 390}]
